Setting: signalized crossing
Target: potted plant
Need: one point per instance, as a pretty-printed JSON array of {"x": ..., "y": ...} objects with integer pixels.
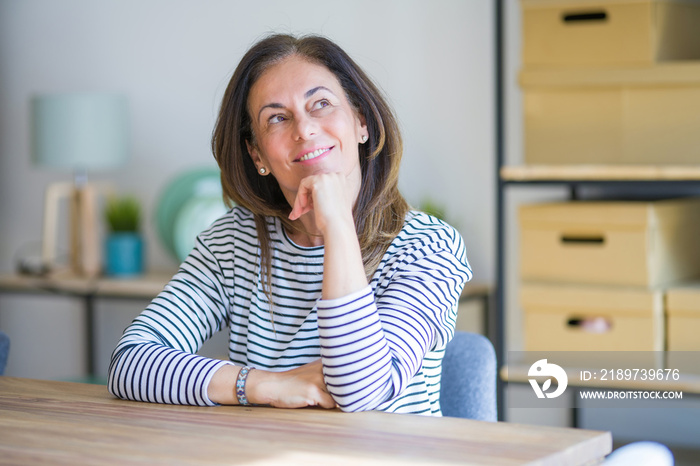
[
  {"x": 124, "y": 244},
  {"x": 433, "y": 208}
]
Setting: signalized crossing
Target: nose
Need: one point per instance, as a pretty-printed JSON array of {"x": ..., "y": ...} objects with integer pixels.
[{"x": 305, "y": 127}]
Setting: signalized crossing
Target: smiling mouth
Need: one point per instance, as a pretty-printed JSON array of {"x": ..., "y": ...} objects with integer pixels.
[{"x": 313, "y": 155}]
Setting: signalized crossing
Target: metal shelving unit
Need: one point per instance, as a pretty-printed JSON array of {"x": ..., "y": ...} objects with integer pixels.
[
  {"x": 656, "y": 181},
  {"x": 574, "y": 178}
]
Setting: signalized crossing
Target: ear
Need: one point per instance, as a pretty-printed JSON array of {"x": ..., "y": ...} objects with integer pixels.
[
  {"x": 361, "y": 126},
  {"x": 254, "y": 154}
]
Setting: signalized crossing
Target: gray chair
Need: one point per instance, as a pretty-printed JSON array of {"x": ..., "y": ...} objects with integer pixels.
[
  {"x": 468, "y": 387},
  {"x": 4, "y": 350},
  {"x": 643, "y": 453}
]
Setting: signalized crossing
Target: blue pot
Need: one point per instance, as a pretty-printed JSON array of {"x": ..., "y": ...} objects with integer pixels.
[{"x": 124, "y": 254}]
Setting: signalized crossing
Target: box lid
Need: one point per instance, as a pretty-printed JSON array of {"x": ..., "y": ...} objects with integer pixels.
[
  {"x": 591, "y": 300},
  {"x": 592, "y": 3},
  {"x": 611, "y": 214},
  {"x": 680, "y": 73},
  {"x": 684, "y": 300}
]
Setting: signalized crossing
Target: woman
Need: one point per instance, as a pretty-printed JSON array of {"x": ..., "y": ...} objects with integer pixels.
[{"x": 333, "y": 292}]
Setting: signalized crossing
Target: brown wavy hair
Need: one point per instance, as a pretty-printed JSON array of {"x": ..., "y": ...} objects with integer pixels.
[{"x": 379, "y": 210}]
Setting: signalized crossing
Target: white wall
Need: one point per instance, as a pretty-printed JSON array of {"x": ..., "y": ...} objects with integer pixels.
[{"x": 173, "y": 58}]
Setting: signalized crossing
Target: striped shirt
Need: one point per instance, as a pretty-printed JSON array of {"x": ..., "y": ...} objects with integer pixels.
[{"x": 381, "y": 347}]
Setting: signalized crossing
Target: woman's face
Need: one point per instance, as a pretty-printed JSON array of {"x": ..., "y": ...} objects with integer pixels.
[{"x": 303, "y": 125}]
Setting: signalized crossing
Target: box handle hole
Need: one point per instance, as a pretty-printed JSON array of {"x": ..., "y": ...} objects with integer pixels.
[
  {"x": 590, "y": 324},
  {"x": 585, "y": 17},
  {"x": 583, "y": 239}
]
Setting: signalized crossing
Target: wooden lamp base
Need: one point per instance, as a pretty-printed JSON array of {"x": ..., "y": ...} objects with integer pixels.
[{"x": 85, "y": 257}]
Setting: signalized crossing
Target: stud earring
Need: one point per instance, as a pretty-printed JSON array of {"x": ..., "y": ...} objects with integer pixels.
[
  {"x": 263, "y": 170},
  {"x": 364, "y": 138}
]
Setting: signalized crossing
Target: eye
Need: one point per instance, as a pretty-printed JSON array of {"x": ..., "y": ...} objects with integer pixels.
[
  {"x": 274, "y": 119},
  {"x": 319, "y": 104}
]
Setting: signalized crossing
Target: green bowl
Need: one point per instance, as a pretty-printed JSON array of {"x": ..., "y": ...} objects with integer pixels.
[
  {"x": 194, "y": 217},
  {"x": 188, "y": 191}
]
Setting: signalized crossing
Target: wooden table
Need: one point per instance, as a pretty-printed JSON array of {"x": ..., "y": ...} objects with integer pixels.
[{"x": 70, "y": 423}]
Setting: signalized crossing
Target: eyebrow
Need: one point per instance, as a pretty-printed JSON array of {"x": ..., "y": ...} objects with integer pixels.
[
  {"x": 311, "y": 92},
  {"x": 307, "y": 94}
]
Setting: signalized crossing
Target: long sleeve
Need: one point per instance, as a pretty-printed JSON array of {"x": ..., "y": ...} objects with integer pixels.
[
  {"x": 154, "y": 360},
  {"x": 372, "y": 347}
]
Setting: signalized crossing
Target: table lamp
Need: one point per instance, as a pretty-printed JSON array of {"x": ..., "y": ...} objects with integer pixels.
[{"x": 80, "y": 132}]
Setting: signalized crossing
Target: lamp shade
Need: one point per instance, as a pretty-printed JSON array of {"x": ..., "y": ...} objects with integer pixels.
[{"x": 80, "y": 131}]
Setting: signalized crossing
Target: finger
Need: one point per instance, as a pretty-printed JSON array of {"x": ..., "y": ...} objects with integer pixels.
[
  {"x": 328, "y": 402},
  {"x": 300, "y": 208},
  {"x": 303, "y": 202}
]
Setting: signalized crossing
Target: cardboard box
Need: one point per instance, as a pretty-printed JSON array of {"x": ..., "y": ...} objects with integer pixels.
[
  {"x": 636, "y": 116},
  {"x": 609, "y": 32},
  {"x": 683, "y": 319},
  {"x": 592, "y": 318},
  {"x": 637, "y": 243}
]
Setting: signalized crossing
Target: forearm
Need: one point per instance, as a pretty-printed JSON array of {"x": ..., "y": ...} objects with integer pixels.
[
  {"x": 343, "y": 270},
  {"x": 372, "y": 347},
  {"x": 156, "y": 360},
  {"x": 259, "y": 386},
  {"x": 359, "y": 367},
  {"x": 356, "y": 358},
  {"x": 296, "y": 388},
  {"x": 158, "y": 374},
  {"x": 357, "y": 362},
  {"x": 222, "y": 387}
]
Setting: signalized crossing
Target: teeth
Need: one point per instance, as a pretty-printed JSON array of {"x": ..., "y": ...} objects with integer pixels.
[{"x": 313, "y": 155}]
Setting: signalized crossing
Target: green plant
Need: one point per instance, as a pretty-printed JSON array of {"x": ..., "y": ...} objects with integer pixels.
[
  {"x": 123, "y": 214},
  {"x": 433, "y": 208}
]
